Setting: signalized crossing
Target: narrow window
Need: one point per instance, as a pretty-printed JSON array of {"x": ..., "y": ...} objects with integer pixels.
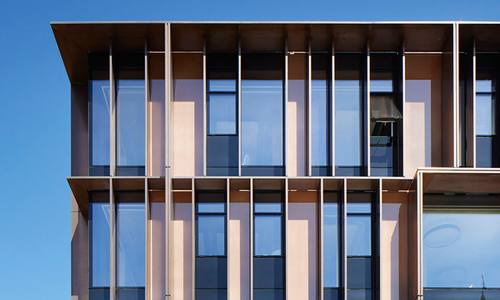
[
  {"x": 130, "y": 245},
  {"x": 320, "y": 114},
  {"x": 99, "y": 116},
  {"x": 262, "y": 114},
  {"x": 349, "y": 114},
  {"x": 385, "y": 115},
  {"x": 269, "y": 256},
  {"x": 130, "y": 116},
  {"x": 331, "y": 238},
  {"x": 99, "y": 245},
  {"x": 359, "y": 243},
  {"x": 487, "y": 142},
  {"x": 222, "y": 111},
  {"x": 211, "y": 257}
]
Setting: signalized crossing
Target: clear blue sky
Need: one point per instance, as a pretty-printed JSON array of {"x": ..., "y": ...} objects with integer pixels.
[{"x": 35, "y": 120}]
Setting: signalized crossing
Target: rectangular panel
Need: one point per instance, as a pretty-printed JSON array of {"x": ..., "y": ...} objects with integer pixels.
[
  {"x": 268, "y": 273},
  {"x": 211, "y": 273}
]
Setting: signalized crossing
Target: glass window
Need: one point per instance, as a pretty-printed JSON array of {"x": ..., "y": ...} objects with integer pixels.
[
  {"x": 211, "y": 235},
  {"x": 222, "y": 112},
  {"x": 130, "y": 244},
  {"x": 130, "y": 136},
  {"x": 267, "y": 235},
  {"x": 349, "y": 120},
  {"x": 320, "y": 113},
  {"x": 461, "y": 248},
  {"x": 222, "y": 85},
  {"x": 267, "y": 207},
  {"x": 211, "y": 207},
  {"x": 485, "y": 115},
  {"x": 99, "y": 241},
  {"x": 358, "y": 235},
  {"x": 262, "y": 114},
  {"x": 331, "y": 245}
]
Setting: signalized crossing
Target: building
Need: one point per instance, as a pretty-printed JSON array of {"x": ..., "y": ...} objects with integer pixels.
[{"x": 244, "y": 160}]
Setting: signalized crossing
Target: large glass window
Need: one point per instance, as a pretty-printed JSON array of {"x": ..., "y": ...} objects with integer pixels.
[
  {"x": 269, "y": 256},
  {"x": 460, "y": 251},
  {"x": 320, "y": 114},
  {"x": 130, "y": 116},
  {"x": 211, "y": 257},
  {"x": 222, "y": 114},
  {"x": 99, "y": 116},
  {"x": 349, "y": 116},
  {"x": 359, "y": 246},
  {"x": 385, "y": 115},
  {"x": 487, "y": 142},
  {"x": 262, "y": 114},
  {"x": 99, "y": 223},
  {"x": 130, "y": 245},
  {"x": 331, "y": 238}
]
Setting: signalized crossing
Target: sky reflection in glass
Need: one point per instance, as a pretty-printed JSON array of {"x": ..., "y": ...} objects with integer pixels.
[
  {"x": 100, "y": 122},
  {"x": 459, "y": 248},
  {"x": 100, "y": 244}
]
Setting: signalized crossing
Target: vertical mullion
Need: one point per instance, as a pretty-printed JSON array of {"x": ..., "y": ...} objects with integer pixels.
[
  {"x": 332, "y": 111},
  {"x": 343, "y": 238},
  {"x": 168, "y": 198},
  {"x": 239, "y": 104},
  {"x": 455, "y": 94},
  {"x": 228, "y": 237},
  {"x": 251, "y": 238},
  {"x": 193, "y": 238},
  {"x": 378, "y": 236},
  {"x": 309, "y": 109},
  {"x": 147, "y": 132},
  {"x": 367, "y": 110},
  {"x": 148, "y": 241},
  {"x": 112, "y": 117},
  {"x": 321, "y": 241},
  {"x": 285, "y": 110},
  {"x": 420, "y": 276},
  {"x": 403, "y": 100},
  {"x": 112, "y": 241},
  {"x": 205, "y": 118},
  {"x": 474, "y": 78},
  {"x": 286, "y": 241}
]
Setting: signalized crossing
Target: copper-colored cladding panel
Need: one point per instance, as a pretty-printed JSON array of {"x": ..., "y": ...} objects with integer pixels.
[
  {"x": 182, "y": 247},
  {"x": 239, "y": 184},
  {"x": 79, "y": 256},
  {"x": 262, "y": 37},
  {"x": 394, "y": 246},
  {"x": 79, "y": 130},
  {"x": 350, "y": 37},
  {"x": 321, "y": 37},
  {"x": 296, "y": 115},
  {"x": 298, "y": 37},
  {"x": 222, "y": 37},
  {"x": 188, "y": 37},
  {"x": 187, "y": 115},
  {"x": 333, "y": 184},
  {"x": 239, "y": 245},
  {"x": 75, "y": 40},
  {"x": 422, "y": 136},
  {"x": 156, "y": 184},
  {"x": 461, "y": 182},
  {"x": 128, "y": 184},
  {"x": 218, "y": 184},
  {"x": 447, "y": 110},
  {"x": 362, "y": 184},
  {"x": 304, "y": 184},
  {"x": 302, "y": 245},
  {"x": 157, "y": 240},
  {"x": 270, "y": 184},
  {"x": 412, "y": 240},
  {"x": 427, "y": 37},
  {"x": 396, "y": 184},
  {"x": 182, "y": 184},
  {"x": 385, "y": 37},
  {"x": 80, "y": 187},
  {"x": 157, "y": 114},
  {"x": 485, "y": 35}
]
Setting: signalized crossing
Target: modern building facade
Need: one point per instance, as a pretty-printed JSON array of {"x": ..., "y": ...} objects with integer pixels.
[{"x": 252, "y": 161}]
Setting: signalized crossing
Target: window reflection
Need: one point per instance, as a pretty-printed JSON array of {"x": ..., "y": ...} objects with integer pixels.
[
  {"x": 331, "y": 241},
  {"x": 460, "y": 247},
  {"x": 349, "y": 120},
  {"x": 99, "y": 240},
  {"x": 262, "y": 114}
]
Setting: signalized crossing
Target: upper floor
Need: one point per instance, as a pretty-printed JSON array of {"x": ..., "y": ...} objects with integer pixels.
[{"x": 280, "y": 99}]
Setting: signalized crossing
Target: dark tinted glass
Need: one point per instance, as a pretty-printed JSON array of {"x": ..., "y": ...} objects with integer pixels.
[
  {"x": 358, "y": 273},
  {"x": 268, "y": 272},
  {"x": 222, "y": 152},
  {"x": 211, "y": 294},
  {"x": 359, "y": 294},
  {"x": 460, "y": 294},
  {"x": 211, "y": 272},
  {"x": 268, "y": 294},
  {"x": 99, "y": 232},
  {"x": 130, "y": 294},
  {"x": 331, "y": 294},
  {"x": 99, "y": 293},
  {"x": 487, "y": 152}
]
